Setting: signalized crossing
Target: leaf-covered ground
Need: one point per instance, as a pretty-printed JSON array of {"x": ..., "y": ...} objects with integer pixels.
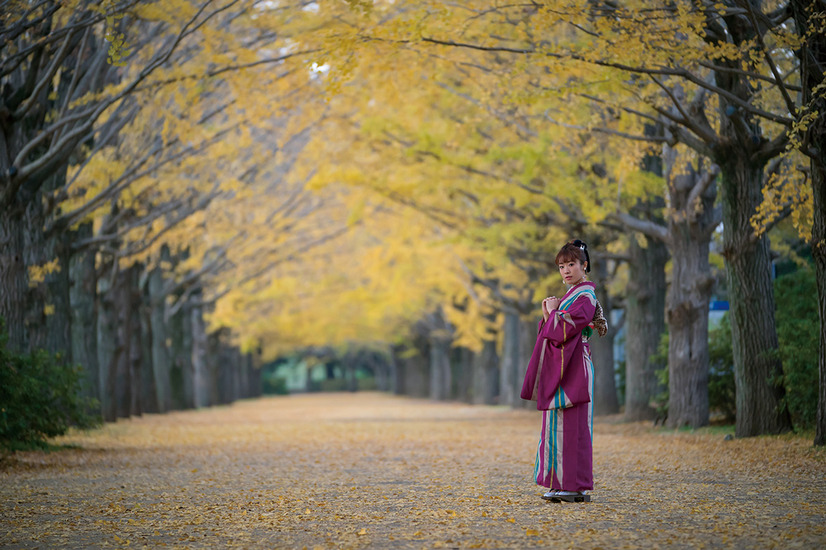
[{"x": 377, "y": 471}]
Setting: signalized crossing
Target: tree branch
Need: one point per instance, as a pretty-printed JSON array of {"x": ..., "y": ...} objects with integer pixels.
[{"x": 648, "y": 228}]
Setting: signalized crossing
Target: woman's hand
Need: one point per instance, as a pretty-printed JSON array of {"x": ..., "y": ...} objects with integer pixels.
[{"x": 548, "y": 305}]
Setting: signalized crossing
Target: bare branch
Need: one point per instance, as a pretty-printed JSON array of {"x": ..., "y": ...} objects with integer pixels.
[
  {"x": 790, "y": 105},
  {"x": 608, "y": 131},
  {"x": 645, "y": 227},
  {"x": 45, "y": 79},
  {"x": 662, "y": 71},
  {"x": 702, "y": 185}
]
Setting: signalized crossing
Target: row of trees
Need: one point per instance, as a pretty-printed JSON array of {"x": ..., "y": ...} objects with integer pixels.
[
  {"x": 724, "y": 94},
  {"x": 433, "y": 366},
  {"x": 183, "y": 150},
  {"x": 142, "y": 179}
]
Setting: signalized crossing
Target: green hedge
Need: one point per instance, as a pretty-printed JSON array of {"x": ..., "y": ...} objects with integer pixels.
[
  {"x": 40, "y": 397},
  {"x": 798, "y": 332}
]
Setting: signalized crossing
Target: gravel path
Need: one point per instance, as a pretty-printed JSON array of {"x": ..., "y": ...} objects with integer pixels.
[{"x": 379, "y": 471}]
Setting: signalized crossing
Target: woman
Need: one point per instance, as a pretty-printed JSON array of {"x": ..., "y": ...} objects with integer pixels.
[{"x": 560, "y": 378}]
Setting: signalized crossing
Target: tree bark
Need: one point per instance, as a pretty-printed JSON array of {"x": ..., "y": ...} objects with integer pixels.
[
  {"x": 213, "y": 370},
  {"x": 757, "y": 371},
  {"x": 689, "y": 295},
  {"x": 738, "y": 153},
  {"x": 511, "y": 367},
  {"x": 160, "y": 353},
  {"x": 149, "y": 394},
  {"x": 397, "y": 364},
  {"x": 440, "y": 375},
  {"x": 644, "y": 325},
  {"x": 485, "y": 375},
  {"x": 416, "y": 370},
  {"x": 135, "y": 340},
  {"x": 819, "y": 254},
  {"x": 180, "y": 375},
  {"x": 13, "y": 278},
  {"x": 464, "y": 375},
  {"x": 121, "y": 371},
  {"x": 527, "y": 341},
  {"x": 200, "y": 374},
  {"x": 48, "y": 311},
  {"x": 243, "y": 375},
  {"x": 83, "y": 302},
  {"x": 107, "y": 342},
  {"x": 606, "y": 400},
  {"x": 812, "y": 57}
]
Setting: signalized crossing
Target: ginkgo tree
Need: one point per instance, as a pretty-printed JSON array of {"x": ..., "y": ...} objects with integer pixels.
[
  {"x": 131, "y": 130},
  {"x": 485, "y": 172},
  {"x": 489, "y": 167},
  {"x": 733, "y": 62},
  {"x": 66, "y": 89}
]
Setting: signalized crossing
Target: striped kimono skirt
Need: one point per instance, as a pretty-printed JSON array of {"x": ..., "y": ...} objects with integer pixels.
[{"x": 564, "y": 458}]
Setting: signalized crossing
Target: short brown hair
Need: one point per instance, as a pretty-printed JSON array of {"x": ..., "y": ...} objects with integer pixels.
[{"x": 575, "y": 250}]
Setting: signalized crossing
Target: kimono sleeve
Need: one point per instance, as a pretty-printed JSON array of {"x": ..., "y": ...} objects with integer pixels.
[{"x": 565, "y": 324}]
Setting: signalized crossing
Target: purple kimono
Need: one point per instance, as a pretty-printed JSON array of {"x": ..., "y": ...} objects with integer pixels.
[{"x": 560, "y": 378}]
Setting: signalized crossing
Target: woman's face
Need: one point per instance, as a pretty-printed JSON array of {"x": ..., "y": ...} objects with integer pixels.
[{"x": 572, "y": 271}]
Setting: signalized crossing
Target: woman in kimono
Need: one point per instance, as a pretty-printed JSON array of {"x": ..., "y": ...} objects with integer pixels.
[{"x": 560, "y": 378}]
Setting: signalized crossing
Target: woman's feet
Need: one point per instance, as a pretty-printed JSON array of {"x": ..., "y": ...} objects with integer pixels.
[{"x": 566, "y": 496}]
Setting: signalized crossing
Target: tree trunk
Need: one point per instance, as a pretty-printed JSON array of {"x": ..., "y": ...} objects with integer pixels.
[
  {"x": 123, "y": 328},
  {"x": 200, "y": 376},
  {"x": 243, "y": 375},
  {"x": 510, "y": 368},
  {"x": 819, "y": 254},
  {"x": 213, "y": 363},
  {"x": 644, "y": 325},
  {"x": 689, "y": 295},
  {"x": 135, "y": 340},
  {"x": 160, "y": 353},
  {"x": 82, "y": 298},
  {"x": 464, "y": 375},
  {"x": 417, "y": 370},
  {"x": 251, "y": 375},
  {"x": 48, "y": 312},
  {"x": 606, "y": 400},
  {"x": 440, "y": 379},
  {"x": 757, "y": 371},
  {"x": 485, "y": 375},
  {"x": 812, "y": 56},
  {"x": 439, "y": 335},
  {"x": 399, "y": 368},
  {"x": 180, "y": 372},
  {"x": 688, "y": 306},
  {"x": 149, "y": 394},
  {"x": 13, "y": 278},
  {"x": 107, "y": 342},
  {"x": 527, "y": 341}
]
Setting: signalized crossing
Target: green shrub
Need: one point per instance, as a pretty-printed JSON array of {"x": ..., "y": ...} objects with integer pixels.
[
  {"x": 798, "y": 329},
  {"x": 721, "y": 386},
  {"x": 797, "y": 333},
  {"x": 40, "y": 398},
  {"x": 274, "y": 385}
]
